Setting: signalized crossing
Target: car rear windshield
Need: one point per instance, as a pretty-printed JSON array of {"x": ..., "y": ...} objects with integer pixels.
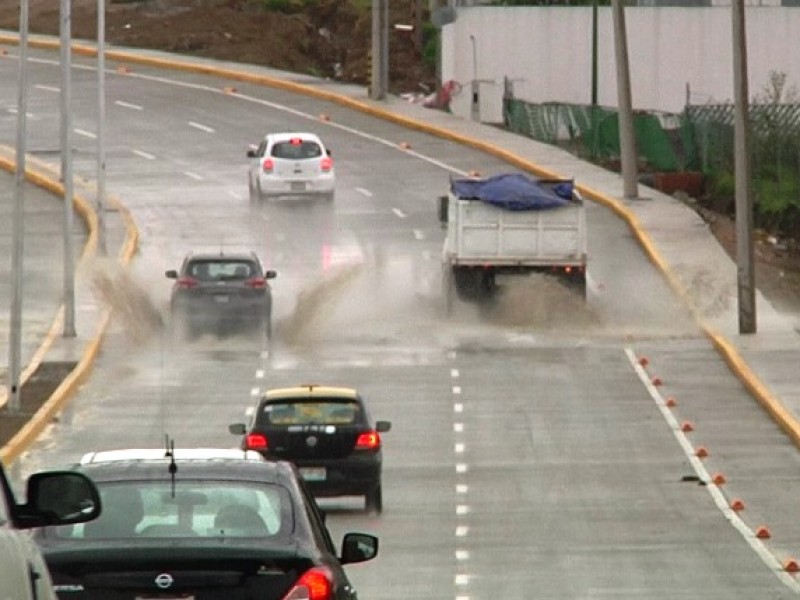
[
  {"x": 206, "y": 509},
  {"x": 296, "y": 149},
  {"x": 318, "y": 412},
  {"x": 221, "y": 270}
]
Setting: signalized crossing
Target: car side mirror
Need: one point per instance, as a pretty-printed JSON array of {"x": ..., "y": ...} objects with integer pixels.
[
  {"x": 171, "y": 274},
  {"x": 252, "y": 151},
  {"x": 270, "y": 274},
  {"x": 358, "y": 547},
  {"x": 383, "y": 426},
  {"x": 59, "y": 498},
  {"x": 237, "y": 428}
]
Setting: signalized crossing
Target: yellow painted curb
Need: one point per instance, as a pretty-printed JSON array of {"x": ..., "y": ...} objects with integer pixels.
[
  {"x": 731, "y": 356},
  {"x": 55, "y": 403}
]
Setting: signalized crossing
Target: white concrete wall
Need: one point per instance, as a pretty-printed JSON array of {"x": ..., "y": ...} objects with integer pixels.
[{"x": 548, "y": 50}]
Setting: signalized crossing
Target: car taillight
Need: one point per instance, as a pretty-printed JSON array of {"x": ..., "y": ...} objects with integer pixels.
[
  {"x": 256, "y": 283},
  {"x": 185, "y": 283},
  {"x": 267, "y": 165},
  {"x": 326, "y": 164},
  {"x": 314, "y": 584},
  {"x": 370, "y": 440},
  {"x": 255, "y": 441}
]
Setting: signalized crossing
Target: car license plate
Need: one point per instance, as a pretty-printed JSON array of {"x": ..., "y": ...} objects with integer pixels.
[
  {"x": 221, "y": 298},
  {"x": 313, "y": 473},
  {"x": 298, "y": 186}
]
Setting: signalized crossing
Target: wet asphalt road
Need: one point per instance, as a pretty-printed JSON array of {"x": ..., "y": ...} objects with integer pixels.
[{"x": 526, "y": 455}]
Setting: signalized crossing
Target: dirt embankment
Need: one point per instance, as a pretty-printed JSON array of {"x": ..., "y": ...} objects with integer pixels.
[{"x": 329, "y": 38}]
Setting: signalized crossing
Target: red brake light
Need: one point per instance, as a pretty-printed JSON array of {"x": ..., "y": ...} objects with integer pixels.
[
  {"x": 327, "y": 163},
  {"x": 314, "y": 584},
  {"x": 257, "y": 283},
  {"x": 370, "y": 440},
  {"x": 267, "y": 165},
  {"x": 255, "y": 441},
  {"x": 295, "y": 141},
  {"x": 185, "y": 283}
]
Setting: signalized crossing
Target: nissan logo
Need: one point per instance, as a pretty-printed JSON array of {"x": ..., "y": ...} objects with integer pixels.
[
  {"x": 164, "y": 581},
  {"x": 311, "y": 441}
]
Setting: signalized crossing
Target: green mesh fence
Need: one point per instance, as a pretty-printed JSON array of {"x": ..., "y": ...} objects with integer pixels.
[{"x": 699, "y": 139}]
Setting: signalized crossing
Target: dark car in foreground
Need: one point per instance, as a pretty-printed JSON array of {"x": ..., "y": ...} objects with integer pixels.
[
  {"x": 327, "y": 432},
  {"x": 221, "y": 293},
  {"x": 200, "y": 523}
]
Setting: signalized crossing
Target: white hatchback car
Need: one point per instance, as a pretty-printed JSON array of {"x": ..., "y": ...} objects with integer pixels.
[{"x": 290, "y": 164}]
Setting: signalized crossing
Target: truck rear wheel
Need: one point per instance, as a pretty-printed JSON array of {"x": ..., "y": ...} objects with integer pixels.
[{"x": 474, "y": 284}]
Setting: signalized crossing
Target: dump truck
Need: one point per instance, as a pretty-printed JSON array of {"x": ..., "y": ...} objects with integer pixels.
[{"x": 511, "y": 224}]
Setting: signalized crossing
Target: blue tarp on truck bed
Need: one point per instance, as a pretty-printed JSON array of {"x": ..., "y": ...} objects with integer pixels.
[{"x": 515, "y": 191}]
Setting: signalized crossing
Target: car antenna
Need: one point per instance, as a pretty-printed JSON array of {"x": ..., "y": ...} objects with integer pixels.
[{"x": 170, "y": 453}]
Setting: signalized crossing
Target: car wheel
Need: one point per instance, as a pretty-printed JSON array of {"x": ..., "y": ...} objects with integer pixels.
[{"x": 373, "y": 501}]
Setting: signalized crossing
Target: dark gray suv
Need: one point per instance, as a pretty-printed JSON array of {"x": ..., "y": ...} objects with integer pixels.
[{"x": 221, "y": 293}]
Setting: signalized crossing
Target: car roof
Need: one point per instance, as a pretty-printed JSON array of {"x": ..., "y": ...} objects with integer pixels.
[
  {"x": 222, "y": 255},
  {"x": 159, "y": 454},
  {"x": 285, "y": 136},
  {"x": 198, "y": 464},
  {"x": 311, "y": 391}
]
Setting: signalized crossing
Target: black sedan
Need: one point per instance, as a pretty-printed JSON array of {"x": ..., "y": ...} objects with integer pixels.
[
  {"x": 202, "y": 523},
  {"x": 327, "y": 432}
]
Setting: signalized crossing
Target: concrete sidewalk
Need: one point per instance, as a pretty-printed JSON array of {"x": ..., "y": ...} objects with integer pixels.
[
  {"x": 675, "y": 238},
  {"x": 43, "y": 339}
]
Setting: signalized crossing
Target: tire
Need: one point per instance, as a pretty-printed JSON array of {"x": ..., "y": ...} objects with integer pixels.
[
  {"x": 262, "y": 197},
  {"x": 373, "y": 500},
  {"x": 448, "y": 290}
]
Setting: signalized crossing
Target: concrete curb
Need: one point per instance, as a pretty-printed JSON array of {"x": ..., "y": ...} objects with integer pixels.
[
  {"x": 57, "y": 400},
  {"x": 728, "y": 352}
]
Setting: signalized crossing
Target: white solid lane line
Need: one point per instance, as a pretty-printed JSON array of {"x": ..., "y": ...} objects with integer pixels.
[{"x": 713, "y": 489}]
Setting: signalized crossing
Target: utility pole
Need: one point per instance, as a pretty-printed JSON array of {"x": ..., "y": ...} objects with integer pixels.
[
  {"x": 627, "y": 134},
  {"x": 379, "y": 76},
  {"x": 593, "y": 150},
  {"x": 744, "y": 201},
  {"x": 67, "y": 179},
  {"x": 18, "y": 220},
  {"x": 101, "y": 121}
]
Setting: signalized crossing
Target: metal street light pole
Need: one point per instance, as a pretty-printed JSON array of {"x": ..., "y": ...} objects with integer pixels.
[
  {"x": 66, "y": 166},
  {"x": 18, "y": 219},
  {"x": 101, "y": 119},
  {"x": 744, "y": 202}
]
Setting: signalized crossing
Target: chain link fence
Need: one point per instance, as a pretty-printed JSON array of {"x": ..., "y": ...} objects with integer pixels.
[{"x": 700, "y": 139}]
